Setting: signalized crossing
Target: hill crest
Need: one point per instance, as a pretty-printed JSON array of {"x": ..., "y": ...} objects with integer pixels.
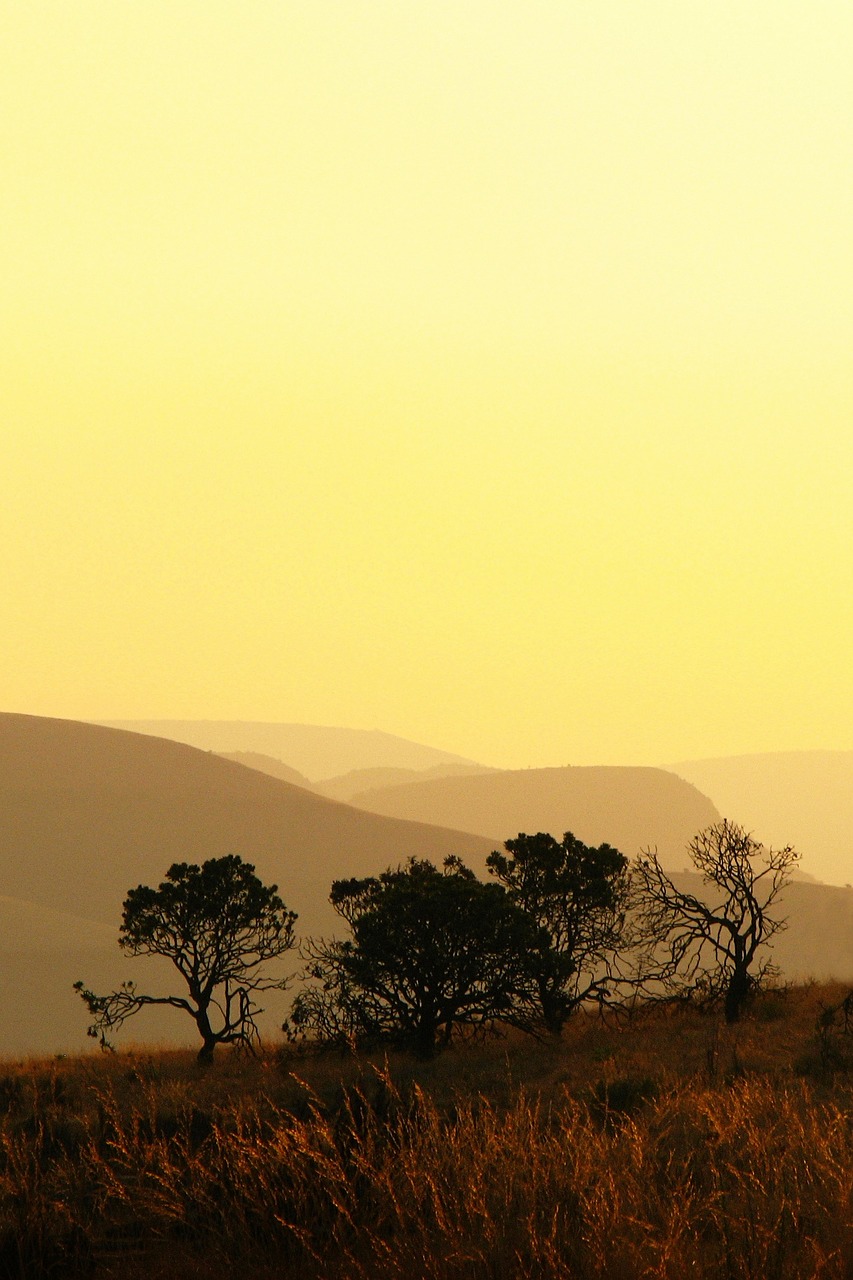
[
  {"x": 629, "y": 807},
  {"x": 318, "y": 751}
]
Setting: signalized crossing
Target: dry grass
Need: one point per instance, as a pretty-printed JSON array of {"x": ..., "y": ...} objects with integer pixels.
[{"x": 664, "y": 1147}]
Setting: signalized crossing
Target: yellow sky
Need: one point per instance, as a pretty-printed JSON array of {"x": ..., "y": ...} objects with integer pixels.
[{"x": 479, "y": 372}]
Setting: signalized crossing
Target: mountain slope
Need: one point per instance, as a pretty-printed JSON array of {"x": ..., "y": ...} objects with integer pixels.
[
  {"x": 629, "y": 808},
  {"x": 88, "y": 812},
  {"x": 356, "y": 781},
  {"x": 42, "y": 953},
  {"x": 266, "y": 764},
  {"x": 803, "y": 798},
  {"x": 317, "y": 751}
]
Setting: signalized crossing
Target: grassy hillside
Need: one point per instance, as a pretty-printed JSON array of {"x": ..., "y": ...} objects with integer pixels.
[{"x": 666, "y": 1145}]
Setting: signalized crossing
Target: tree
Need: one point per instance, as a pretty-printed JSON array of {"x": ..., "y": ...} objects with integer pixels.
[
  {"x": 577, "y": 896},
  {"x": 431, "y": 950},
  {"x": 713, "y": 943},
  {"x": 219, "y": 925}
]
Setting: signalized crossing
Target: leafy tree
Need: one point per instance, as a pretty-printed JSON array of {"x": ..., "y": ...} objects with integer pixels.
[
  {"x": 577, "y": 896},
  {"x": 714, "y": 942},
  {"x": 219, "y": 925},
  {"x": 431, "y": 950}
]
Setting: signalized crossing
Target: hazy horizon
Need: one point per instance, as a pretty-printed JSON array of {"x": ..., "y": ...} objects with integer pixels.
[
  {"x": 442, "y": 749},
  {"x": 480, "y": 373}
]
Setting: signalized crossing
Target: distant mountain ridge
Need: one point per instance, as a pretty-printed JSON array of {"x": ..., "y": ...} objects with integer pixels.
[
  {"x": 266, "y": 764},
  {"x": 631, "y": 808},
  {"x": 348, "y": 784},
  {"x": 803, "y": 798},
  {"x": 317, "y": 751},
  {"x": 351, "y": 784}
]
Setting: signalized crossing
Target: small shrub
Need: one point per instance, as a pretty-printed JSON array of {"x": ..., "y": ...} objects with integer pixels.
[
  {"x": 770, "y": 1007},
  {"x": 615, "y": 1099}
]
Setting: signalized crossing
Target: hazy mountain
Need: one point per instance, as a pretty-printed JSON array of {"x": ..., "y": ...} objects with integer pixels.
[
  {"x": 87, "y": 812},
  {"x": 803, "y": 798},
  {"x": 266, "y": 764},
  {"x": 358, "y": 780},
  {"x": 42, "y": 953},
  {"x": 630, "y": 808},
  {"x": 315, "y": 750}
]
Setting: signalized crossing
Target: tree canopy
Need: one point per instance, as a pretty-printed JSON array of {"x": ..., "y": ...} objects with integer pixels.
[
  {"x": 219, "y": 925},
  {"x": 577, "y": 895},
  {"x": 430, "y": 950}
]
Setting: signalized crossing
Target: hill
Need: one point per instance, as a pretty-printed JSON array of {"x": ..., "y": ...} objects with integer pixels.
[
  {"x": 317, "y": 751},
  {"x": 266, "y": 764},
  {"x": 630, "y": 808},
  {"x": 351, "y": 784},
  {"x": 42, "y": 953},
  {"x": 87, "y": 812},
  {"x": 803, "y": 798}
]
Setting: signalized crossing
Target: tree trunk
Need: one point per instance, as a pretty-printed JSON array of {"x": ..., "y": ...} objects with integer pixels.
[
  {"x": 553, "y": 1015},
  {"x": 425, "y": 1039},
  {"x": 736, "y": 993},
  {"x": 205, "y": 1053},
  {"x": 209, "y": 1040}
]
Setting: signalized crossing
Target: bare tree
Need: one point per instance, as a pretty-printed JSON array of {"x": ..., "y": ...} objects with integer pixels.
[{"x": 714, "y": 942}]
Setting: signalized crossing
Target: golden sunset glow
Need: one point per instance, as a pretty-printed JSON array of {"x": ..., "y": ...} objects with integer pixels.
[{"x": 478, "y": 372}]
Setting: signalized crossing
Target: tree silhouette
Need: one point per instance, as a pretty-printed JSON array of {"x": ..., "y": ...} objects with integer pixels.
[
  {"x": 714, "y": 944},
  {"x": 219, "y": 925},
  {"x": 431, "y": 950},
  {"x": 578, "y": 897}
]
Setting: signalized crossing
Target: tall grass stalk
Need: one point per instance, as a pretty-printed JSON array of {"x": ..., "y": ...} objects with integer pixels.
[{"x": 749, "y": 1181}]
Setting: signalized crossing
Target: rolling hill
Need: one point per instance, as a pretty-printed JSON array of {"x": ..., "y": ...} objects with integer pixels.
[
  {"x": 266, "y": 764},
  {"x": 42, "y": 953},
  {"x": 347, "y": 785},
  {"x": 630, "y": 808},
  {"x": 317, "y": 751},
  {"x": 87, "y": 812},
  {"x": 351, "y": 784}
]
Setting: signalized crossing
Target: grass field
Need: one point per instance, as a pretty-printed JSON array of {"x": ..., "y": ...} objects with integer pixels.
[{"x": 665, "y": 1145}]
